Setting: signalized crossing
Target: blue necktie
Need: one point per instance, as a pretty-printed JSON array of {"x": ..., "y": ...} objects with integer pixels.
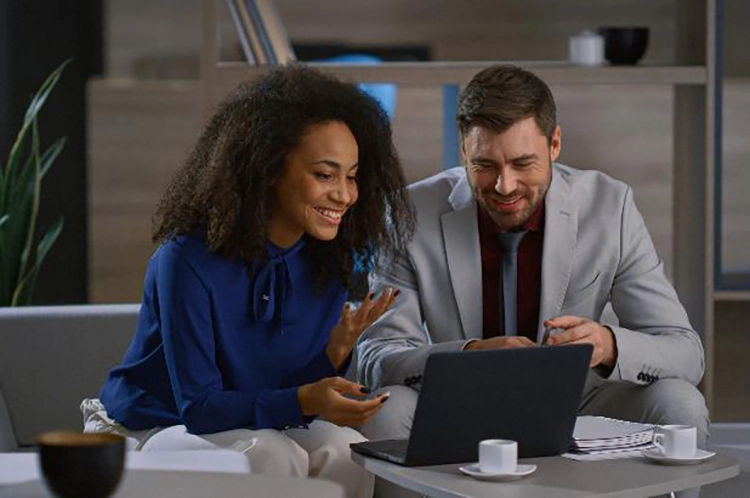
[{"x": 510, "y": 241}]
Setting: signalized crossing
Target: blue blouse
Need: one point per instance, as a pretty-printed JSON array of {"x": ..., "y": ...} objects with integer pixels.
[{"x": 216, "y": 350}]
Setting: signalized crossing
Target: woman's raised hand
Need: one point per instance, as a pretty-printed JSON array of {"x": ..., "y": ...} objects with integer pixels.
[
  {"x": 351, "y": 325},
  {"x": 326, "y": 399}
]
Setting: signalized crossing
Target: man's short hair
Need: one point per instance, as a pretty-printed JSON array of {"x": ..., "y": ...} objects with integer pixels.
[{"x": 500, "y": 96}]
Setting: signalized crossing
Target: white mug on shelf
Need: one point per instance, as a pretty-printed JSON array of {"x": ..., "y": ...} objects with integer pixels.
[
  {"x": 676, "y": 441},
  {"x": 498, "y": 456},
  {"x": 586, "y": 49}
]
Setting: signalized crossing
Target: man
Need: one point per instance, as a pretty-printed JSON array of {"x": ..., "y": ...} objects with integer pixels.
[{"x": 583, "y": 244}]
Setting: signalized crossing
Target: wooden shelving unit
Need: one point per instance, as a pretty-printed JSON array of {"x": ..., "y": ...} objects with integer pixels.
[
  {"x": 732, "y": 296},
  {"x": 440, "y": 73},
  {"x": 696, "y": 82}
]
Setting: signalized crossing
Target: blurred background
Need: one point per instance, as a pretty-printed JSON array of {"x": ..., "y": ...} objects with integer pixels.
[{"x": 131, "y": 106}]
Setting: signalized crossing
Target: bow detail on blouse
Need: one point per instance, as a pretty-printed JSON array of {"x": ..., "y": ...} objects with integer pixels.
[{"x": 272, "y": 282}]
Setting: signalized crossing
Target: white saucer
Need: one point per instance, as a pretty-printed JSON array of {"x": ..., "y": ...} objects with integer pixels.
[
  {"x": 657, "y": 456},
  {"x": 474, "y": 471}
]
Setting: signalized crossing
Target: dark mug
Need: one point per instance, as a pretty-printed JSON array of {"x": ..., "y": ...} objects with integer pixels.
[
  {"x": 624, "y": 45},
  {"x": 80, "y": 465}
]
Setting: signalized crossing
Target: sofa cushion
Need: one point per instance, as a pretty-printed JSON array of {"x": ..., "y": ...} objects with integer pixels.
[
  {"x": 51, "y": 357},
  {"x": 8, "y": 441}
]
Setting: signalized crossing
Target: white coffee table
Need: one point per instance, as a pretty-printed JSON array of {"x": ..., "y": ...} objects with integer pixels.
[
  {"x": 173, "y": 475},
  {"x": 558, "y": 477},
  {"x": 16, "y": 468}
]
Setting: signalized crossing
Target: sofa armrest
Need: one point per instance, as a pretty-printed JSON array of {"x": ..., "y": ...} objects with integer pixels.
[
  {"x": 51, "y": 357},
  {"x": 8, "y": 442}
]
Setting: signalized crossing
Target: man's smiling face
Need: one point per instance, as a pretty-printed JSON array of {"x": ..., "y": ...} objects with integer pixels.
[{"x": 510, "y": 172}]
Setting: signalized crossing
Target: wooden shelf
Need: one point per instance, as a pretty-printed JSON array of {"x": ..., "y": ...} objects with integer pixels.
[
  {"x": 732, "y": 295},
  {"x": 438, "y": 73}
]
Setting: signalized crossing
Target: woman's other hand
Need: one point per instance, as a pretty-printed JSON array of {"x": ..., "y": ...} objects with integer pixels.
[
  {"x": 327, "y": 399},
  {"x": 351, "y": 324}
]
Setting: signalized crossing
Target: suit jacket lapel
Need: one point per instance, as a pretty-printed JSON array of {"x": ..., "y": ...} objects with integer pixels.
[
  {"x": 461, "y": 239},
  {"x": 560, "y": 235}
]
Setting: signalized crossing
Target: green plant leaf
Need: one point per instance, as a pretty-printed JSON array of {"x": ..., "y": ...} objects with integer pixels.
[
  {"x": 22, "y": 293},
  {"x": 50, "y": 155},
  {"x": 20, "y": 193},
  {"x": 48, "y": 240},
  {"x": 2, "y": 188},
  {"x": 24, "y": 183},
  {"x": 31, "y": 113},
  {"x": 36, "y": 194},
  {"x": 41, "y": 95},
  {"x": 3, "y": 220},
  {"x": 12, "y": 240},
  {"x": 14, "y": 163},
  {"x": 15, "y": 235}
]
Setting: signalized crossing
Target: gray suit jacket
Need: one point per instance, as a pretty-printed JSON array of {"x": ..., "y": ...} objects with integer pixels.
[{"x": 596, "y": 249}]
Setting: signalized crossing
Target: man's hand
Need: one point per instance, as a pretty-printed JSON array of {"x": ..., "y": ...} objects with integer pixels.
[
  {"x": 325, "y": 398},
  {"x": 578, "y": 330},
  {"x": 351, "y": 325},
  {"x": 518, "y": 341}
]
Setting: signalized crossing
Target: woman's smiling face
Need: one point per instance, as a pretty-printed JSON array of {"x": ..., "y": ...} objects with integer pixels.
[{"x": 318, "y": 185}]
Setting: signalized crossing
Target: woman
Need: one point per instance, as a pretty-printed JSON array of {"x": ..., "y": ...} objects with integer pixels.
[{"x": 245, "y": 331}]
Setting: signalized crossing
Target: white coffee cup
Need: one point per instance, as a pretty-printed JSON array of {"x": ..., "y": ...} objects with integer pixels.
[
  {"x": 498, "y": 456},
  {"x": 676, "y": 441}
]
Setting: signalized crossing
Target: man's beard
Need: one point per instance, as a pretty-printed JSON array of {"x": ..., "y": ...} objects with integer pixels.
[{"x": 516, "y": 222}]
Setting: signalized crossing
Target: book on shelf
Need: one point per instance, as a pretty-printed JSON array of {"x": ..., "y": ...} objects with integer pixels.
[
  {"x": 251, "y": 7},
  {"x": 261, "y": 32},
  {"x": 247, "y": 32},
  {"x": 277, "y": 35}
]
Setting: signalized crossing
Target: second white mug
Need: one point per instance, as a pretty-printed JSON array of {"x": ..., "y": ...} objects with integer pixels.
[
  {"x": 676, "y": 441},
  {"x": 498, "y": 456}
]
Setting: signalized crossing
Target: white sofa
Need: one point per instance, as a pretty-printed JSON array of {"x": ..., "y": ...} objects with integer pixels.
[{"x": 51, "y": 357}]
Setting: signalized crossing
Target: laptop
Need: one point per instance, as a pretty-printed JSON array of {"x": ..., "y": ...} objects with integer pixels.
[{"x": 530, "y": 395}]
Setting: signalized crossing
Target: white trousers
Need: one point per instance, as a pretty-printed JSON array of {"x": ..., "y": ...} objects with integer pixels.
[{"x": 322, "y": 450}]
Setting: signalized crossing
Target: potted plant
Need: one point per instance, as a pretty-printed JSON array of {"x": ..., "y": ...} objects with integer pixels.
[{"x": 20, "y": 187}]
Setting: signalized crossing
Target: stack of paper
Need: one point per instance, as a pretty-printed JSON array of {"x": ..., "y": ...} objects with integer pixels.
[{"x": 602, "y": 438}]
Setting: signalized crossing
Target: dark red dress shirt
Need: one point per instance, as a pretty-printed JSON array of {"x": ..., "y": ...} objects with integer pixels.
[{"x": 529, "y": 273}]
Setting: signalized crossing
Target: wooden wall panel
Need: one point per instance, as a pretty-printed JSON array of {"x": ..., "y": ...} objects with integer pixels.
[
  {"x": 736, "y": 177},
  {"x": 458, "y": 29},
  {"x": 625, "y": 131},
  {"x": 455, "y": 29},
  {"x": 141, "y": 132},
  {"x": 139, "y": 135},
  {"x": 478, "y": 29}
]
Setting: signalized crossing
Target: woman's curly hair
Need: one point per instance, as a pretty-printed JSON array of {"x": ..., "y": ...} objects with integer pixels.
[{"x": 226, "y": 183}]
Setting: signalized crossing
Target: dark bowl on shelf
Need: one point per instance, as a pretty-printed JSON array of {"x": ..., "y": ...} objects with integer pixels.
[
  {"x": 624, "y": 45},
  {"x": 76, "y": 465}
]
